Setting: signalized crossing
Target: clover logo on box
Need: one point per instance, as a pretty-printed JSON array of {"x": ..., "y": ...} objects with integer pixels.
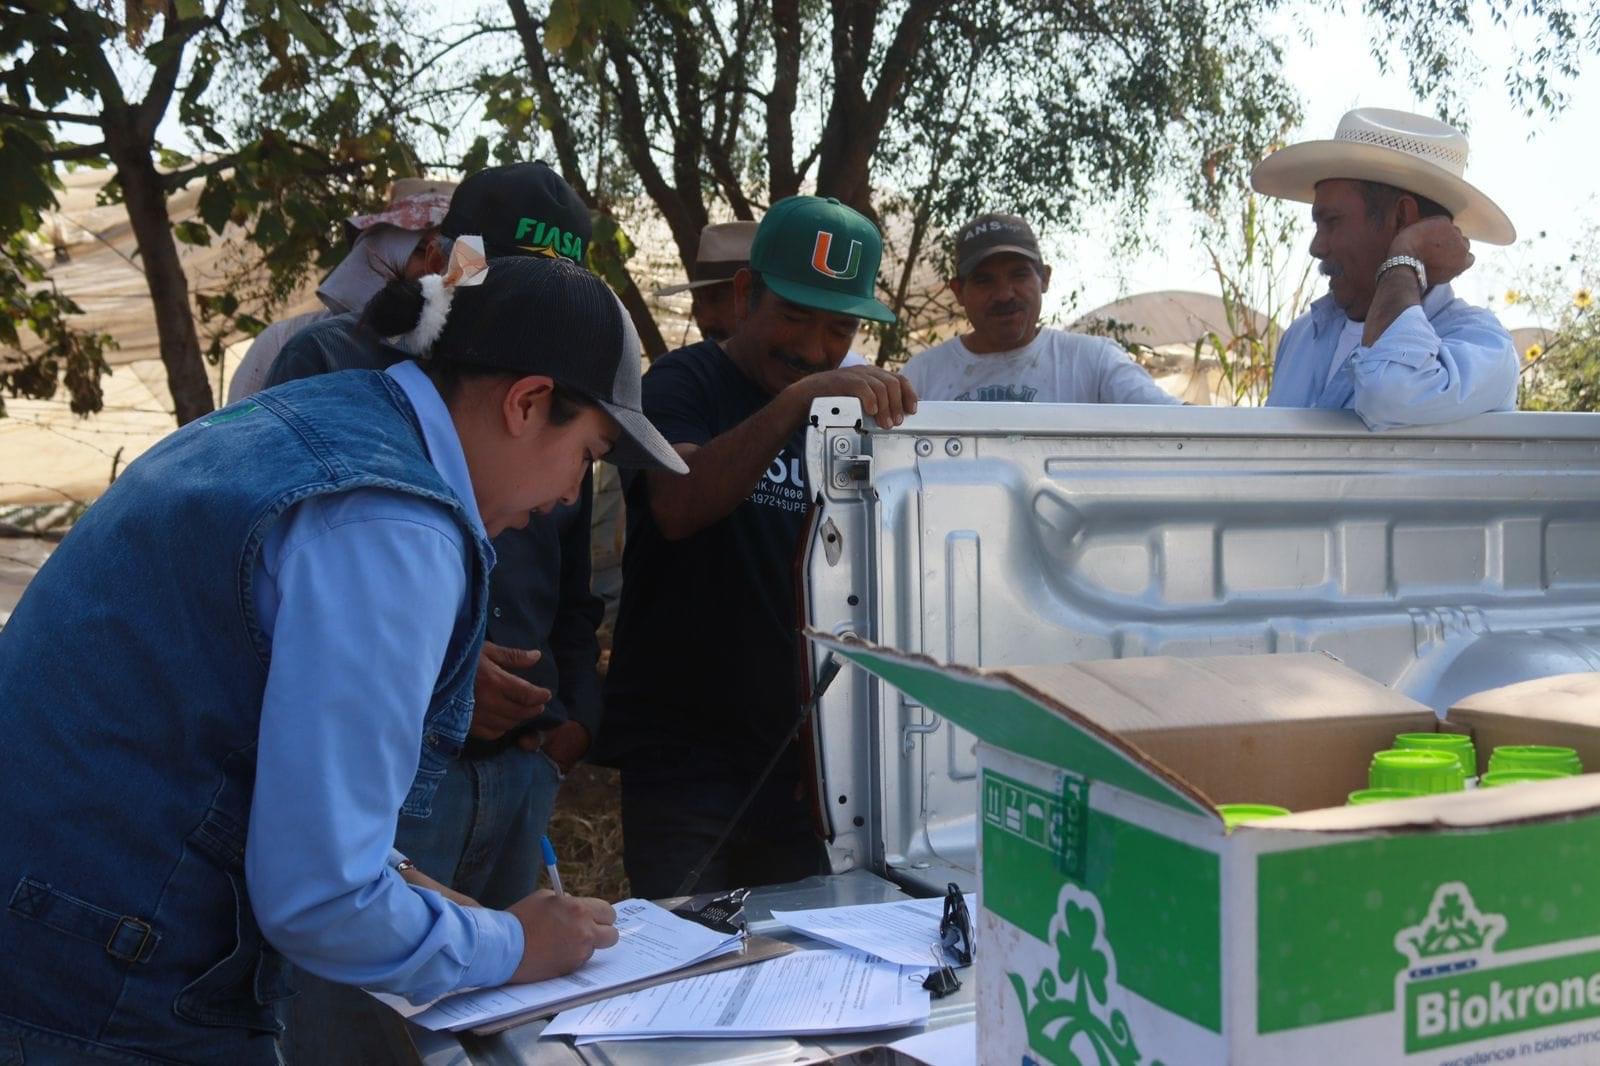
[{"x": 1071, "y": 1011}]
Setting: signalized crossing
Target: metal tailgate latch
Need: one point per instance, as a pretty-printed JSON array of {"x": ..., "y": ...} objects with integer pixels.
[{"x": 847, "y": 467}]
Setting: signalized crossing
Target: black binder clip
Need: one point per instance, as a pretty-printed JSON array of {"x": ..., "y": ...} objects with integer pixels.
[
  {"x": 955, "y": 927},
  {"x": 722, "y": 914},
  {"x": 941, "y": 980}
]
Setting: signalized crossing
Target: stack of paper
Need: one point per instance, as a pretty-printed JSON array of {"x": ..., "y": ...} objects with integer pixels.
[
  {"x": 651, "y": 942},
  {"x": 904, "y": 931},
  {"x": 808, "y": 992},
  {"x": 954, "y": 1045}
]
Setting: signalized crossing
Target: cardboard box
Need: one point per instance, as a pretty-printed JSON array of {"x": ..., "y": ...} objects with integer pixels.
[{"x": 1119, "y": 922}]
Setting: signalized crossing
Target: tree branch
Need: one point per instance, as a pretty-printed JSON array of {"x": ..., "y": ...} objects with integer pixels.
[
  {"x": 856, "y": 122},
  {"x": 633, "y": 132},
  {"x": 175, "y": 38},
  {"x": 730, "y": 115},
  {"x": 77, "y": 153},
  {"x": 566, "y": 143},
  {"x": 782, "y": 178},
  {"x": 550, "y": 106},
  {"x": 481, "y": 31},
  {"x": 88, "y": 45},
  {"x": 689, "y": 144},
  {"x": 67, "y": 117},
  {"x": 174, "y": 180},
  {"x": 897, "y": 62}
]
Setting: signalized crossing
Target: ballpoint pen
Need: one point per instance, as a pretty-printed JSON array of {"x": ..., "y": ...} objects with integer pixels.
[{"x": 550, "y": 865}]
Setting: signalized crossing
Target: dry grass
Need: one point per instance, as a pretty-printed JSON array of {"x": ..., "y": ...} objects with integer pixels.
[{"x": 586, "y": 831}]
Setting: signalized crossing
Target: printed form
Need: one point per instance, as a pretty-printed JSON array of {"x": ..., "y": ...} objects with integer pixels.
[
  {"x": 904, "y": 931},
  {"x": 822, "y": 991},
  {"x": 651, "y": 942}
]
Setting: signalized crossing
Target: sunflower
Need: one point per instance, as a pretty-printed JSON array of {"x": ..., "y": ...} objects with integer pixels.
[
  {"x": 1534, "y": 351},
  {"x": 1513, "y": 296},
  {"x": 1582, "y": 299}
]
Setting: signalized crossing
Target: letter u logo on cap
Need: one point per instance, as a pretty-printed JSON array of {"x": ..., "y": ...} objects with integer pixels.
[{"x": 819, "y": 258}]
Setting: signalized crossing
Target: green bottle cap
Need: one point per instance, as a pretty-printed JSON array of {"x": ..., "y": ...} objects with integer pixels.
[
  {"x": 1501, "y": 778},
  {"x": 1535, "y": 757},
  {"x": 1416, "y": 771},
  {"x": 1234, "y": 813},
  {"x": 1457, "y": 743},
  {"x": 1363, "y": 796}
]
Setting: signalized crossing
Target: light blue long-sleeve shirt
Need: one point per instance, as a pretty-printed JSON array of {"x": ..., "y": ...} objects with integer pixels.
[
  {"x": 358, "y": 594},
  {"x": 1441, "y": 361}
]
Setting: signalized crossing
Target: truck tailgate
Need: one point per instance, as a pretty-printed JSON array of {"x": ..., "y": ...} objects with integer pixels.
[{"x": 1440, "y": 561}]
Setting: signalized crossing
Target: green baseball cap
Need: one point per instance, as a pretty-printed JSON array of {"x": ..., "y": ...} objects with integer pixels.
[{"x": 821, "y": 254}]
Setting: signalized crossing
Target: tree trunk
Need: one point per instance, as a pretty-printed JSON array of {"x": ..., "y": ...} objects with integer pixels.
[
  {"x": 146, "y": 202},
  {"x": 553, "y": 111},
  {"x": 650, "y": 338}
]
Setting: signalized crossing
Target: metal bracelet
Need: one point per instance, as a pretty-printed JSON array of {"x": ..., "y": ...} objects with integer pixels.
[{"x": 1409, "y": 261}]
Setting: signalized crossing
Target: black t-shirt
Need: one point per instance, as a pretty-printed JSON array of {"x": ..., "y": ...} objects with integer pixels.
[
  {"x": 704, "y": 647},
  {"x": 340, "y": 342}
]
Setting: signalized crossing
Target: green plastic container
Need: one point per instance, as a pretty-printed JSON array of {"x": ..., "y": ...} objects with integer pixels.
[
  {"x": 1362, "y": 796},
  {"x": 1501, "y": 778},
  {"x": 1535, "y": 757},
  {"x": 1234, "y": 813},
  {"x": 1457, "y": 743},
  {"x": 1424, "y": 772}
]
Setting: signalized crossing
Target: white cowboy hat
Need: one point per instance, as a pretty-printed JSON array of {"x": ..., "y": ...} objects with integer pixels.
[
  {"x": 1415, "y": 153},
  {"x": 724, "y": 248}
]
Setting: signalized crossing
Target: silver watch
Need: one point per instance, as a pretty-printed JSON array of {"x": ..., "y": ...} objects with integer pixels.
[{"x": 1409, "y": 261}]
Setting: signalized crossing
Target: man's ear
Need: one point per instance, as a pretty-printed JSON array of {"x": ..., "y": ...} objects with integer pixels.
[
  {"x": 741, "y": 295},
  {"x": 526, "y": 405},
  {"x": 956, "y": 285},
  {"x": 1044, "y": 278},
  {"x": 1406, "y": 211},
  {"x": 434, "y": 256}
]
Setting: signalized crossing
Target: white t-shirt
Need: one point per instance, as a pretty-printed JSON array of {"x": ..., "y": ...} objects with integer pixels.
[
  {"x": 1055, "y": 367},
  {"x": 1349, "y": 341}
]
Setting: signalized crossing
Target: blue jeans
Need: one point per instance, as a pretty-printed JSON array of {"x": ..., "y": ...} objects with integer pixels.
[{"x": 483, "y": 835}]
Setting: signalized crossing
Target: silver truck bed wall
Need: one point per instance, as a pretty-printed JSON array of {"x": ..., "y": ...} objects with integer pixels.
[{"x": 1441, "y": 561}]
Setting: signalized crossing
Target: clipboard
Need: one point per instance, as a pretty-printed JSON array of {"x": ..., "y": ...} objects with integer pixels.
[{"x": 756, "y": 948}]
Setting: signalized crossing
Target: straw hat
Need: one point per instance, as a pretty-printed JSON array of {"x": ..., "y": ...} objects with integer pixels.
[
  {"x": 1420, "y": 155},
  {"x": 724, "y": 248},
  {"x": 415, "y": 204}
]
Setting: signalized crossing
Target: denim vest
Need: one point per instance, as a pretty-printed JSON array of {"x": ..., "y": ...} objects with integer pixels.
[{"x": 131, "y": 680}]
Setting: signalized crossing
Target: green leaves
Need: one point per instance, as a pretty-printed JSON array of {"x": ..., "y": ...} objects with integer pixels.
[
  {"x": 46, "y": 350},
  {"x": 561, "y": 25},
  {"x": 294, "y": 112},
  {"x": 306, "y": 31},
  {"x": 609, "y": 251},
  {"x": 192, "y": 232},
  {"x": 577, "y": 24},
  {"x": 26, "y": 179}
]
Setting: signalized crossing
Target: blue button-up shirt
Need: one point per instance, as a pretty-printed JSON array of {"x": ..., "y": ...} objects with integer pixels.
[
  {"x": 359, "y": 593},
  {"x": 1438, "y": 362}
]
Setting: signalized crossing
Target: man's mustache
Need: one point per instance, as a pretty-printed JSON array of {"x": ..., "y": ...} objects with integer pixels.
[
  {"x": 1005, "y": 308},
  {"x": 794, "y": 362},
  {"x": 1329, "y": 269}
]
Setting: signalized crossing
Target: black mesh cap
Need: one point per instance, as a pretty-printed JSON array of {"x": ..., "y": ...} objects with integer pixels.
[
  {"x": 521, "y": 209},
  {"x": 535, "y": 315}
]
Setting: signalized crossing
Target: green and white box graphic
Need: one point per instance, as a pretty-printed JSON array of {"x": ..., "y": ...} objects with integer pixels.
[{"x": 1120, "y": 924}]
